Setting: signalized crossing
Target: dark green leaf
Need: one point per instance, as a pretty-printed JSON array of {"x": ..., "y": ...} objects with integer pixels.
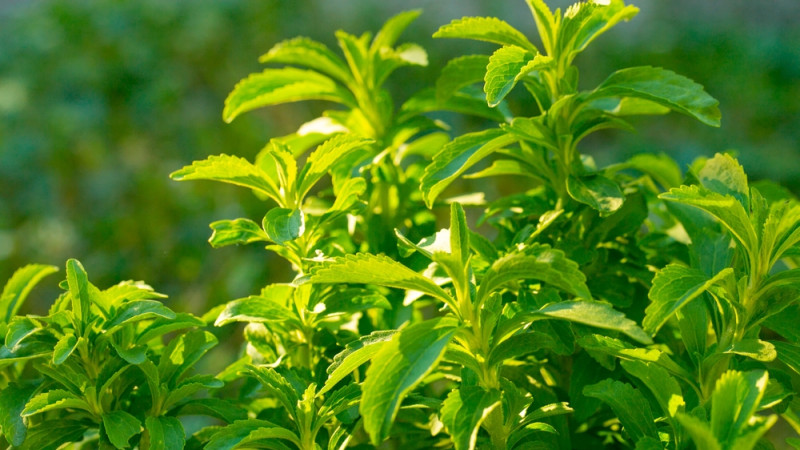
[
  {"x": 212, "y": 407},
  {"x": 51, "y": 434},
  {"x": 182, "y": 353},
  {"x": 628, "y": 404},
  {"x": 597, "y": 191},
  {"x": 12, "y": 401},
  {"x": 165, "y": 433},
  {"x": 595, "y": 314},
  {"x": 247, "y": 431},
  {"x": 520, "y": 345},
  {"x": 19, "y": 330},
  {"x": 464, "y": 410},
  {"x": 120, "y": 427},
  {"x": 397, "y": 368},
  {"x": 55, "y": 399},
  {"x": 788, "y": 354}
]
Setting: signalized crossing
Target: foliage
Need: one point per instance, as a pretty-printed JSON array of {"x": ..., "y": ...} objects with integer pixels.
[{"x": 628, "y": 306}]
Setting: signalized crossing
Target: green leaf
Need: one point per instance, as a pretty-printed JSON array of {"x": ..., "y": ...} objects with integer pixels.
[
  {"x": 488, "y": 29},
  {"x": 595, "y": 314},
  {"x": 55, "y": 399},
  {"x": 187, "y": 388},
  {"x": 284, "y": 225},
  {"x": 460, "y": 72},
  {"x": 243, "y": 432},
  {"x": 583, "y": 22},
  {"x": 275, "y": 86},
  {"x": 120, "y": 427},
  {"x": 12, "y": 401},
  {"x": 463, "y": 412},
  {"x": 138, "y": 310},
  {"x": 397, "y": 368},
  {"x": 325, "y": 156},
  {"x": 674, "y": 287},
  {"x": 302, "y": 51},
  {"x": 626, "y": 352},
  {"x": 466, "y": 101},
  {"x": 277, "y": 386},
  {"x": 788, "y": 354},
  {"x": 19, "y": 330},
  {"x": 723, "y": 174},
  {"x": 597, "y": 191},
  {"x": 212, "y": 407},
  {"x": 182, "y": 353},
  {"x": 364, "y": 268},
  {"x": 165, "y": 433},
  {"x": 78, "y": 289},
  {"x": 456, "y": 157},
  {"x": 519, "y": 345},
  {"x": 538, "y": 262},
  {"x": 545, "y": 23},
  {"x": 392, "y": 29},
  {"x": 354, "y": 355},
  {"x": 662, "y": 385},
  {"x": 459, "y": 234},
  {"x": 504, "y": 167},
  {"x": 162, "y": 326},
  {"x": 734, "y": 402},
  {"x": 755, "y": 349},
  {"x": 238, "y": 231},
  {"x": 51, "y": 434},
  {"x": 254, "y": 309},
  {"x": 232, "y": 170},
  {"x": 65, "y": 346},
  {"x": 502, "y": 73},
  {"x": 18, "y": 287},
  {"x": 628, "y": 404},
  {"x": 663, "y": 87}
]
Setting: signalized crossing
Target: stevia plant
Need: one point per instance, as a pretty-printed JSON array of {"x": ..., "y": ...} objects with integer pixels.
[
  {"x": 630, "y": 306},
  {"x": 98, "y": 371}
]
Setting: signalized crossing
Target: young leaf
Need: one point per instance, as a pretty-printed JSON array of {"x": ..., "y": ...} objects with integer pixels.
[
  {"x": 165, "y": 433},
  {"x": 19, "y": 286},
  {"x": 238, "y": 231},
  {"x": 78, "y": 289},
  {"x": 65, "y": 346},
  {"x": 182, "y": 353},
  {"x": 392, "y": 29},
  {"x": 545, "y": 22},
  {"x": 460, "y": 72},
  {"x": 379, "y": 270},
  {"x": 598, "y": 19},
  {"x": 12, "y": 401},
  {"x": 284, "y": 225},
  {"x": 138, "y": 310},
  {"x": 464, "y": 410},
  {"x": 325, "y": 156},
  {"x": 302, "y": 51},
  {"x": 233, "y": 170},
  {"x": 398, "y": 367},
  {"x": 663, "y": 87},
  {"x": 490, "y": 29},
  {"x": 628, "y": 404},
  {"x": 673, "y": 288},
  {"x": 275, "y": 86},
  {"x": 456, "y": 157},
  {"x": 723, "y": 174},
  {"x": 502, "y": 73},
  {"x": 120, "y": 427}
]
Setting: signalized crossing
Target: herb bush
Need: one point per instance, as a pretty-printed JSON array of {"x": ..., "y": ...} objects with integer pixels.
[{"x": 628, "y": 306}]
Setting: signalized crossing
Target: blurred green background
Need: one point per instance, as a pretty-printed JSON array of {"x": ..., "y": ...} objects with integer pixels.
[{"x": 101, "y": 99}]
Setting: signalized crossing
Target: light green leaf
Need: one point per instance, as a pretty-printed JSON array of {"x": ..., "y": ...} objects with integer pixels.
[
  {"x": 504, "y": 167},
  {"x": 460, "y": 72},
  {"x": 663, "y": 87},
  {"x": 275, "y": 86},
  {"x": 243, "y": 432},
  {"x": 18, "y": 287},
  {"x": 537, "y": 262},
  {"x": 545, "y": 23},
  {"x": 503, "y": 72},
  {"x": 277, "y": 386},
  {"x": 456, "y": 157},
  {"x": 597, "y": 191},
  {"x": 120, "y": 427},
  {"x": 354, "y": 355},
  {"x": 232, "y": 170},
  {"x": 755, "y": 349},
  {"x": 165, "y": 433},
  {"x": 302, "y": 51},
  {"x": 19, "y": 330},
  {"x": 488, "y": 29},
  {"x": 65, "y": 346},
  {"x": 392, "y": 29},
  {"x": 284, "y": 225},
  {"x": 55, "y": 399},
  {"x": 463, "y": 412},
  {"x": 364, "y": 268},
  {"x": 583, "y": 22},
  {"x": 12, "y": 401},
  {"x": 182, "y": 353},
  {"x": 138, "y": 310},
  {"x": 325, "y": 156},
  {"x": 674, "y": 287},
  {"x": 238, "y": 231},
  {"x": 628, "y": 404},
  {"x": 595, "y": 314},
  {"x": 398, "y": 367},
  {"x": 78, "y": 283},
  {"x": 459, "y": 234},
  {"x": 723, "y": 174},
  {"x": 254, "y": 308},
  {"x": 404, "y": 55}
]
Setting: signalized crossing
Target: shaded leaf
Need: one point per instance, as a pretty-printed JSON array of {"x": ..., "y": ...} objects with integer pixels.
[
  {"x": 628, "y": 404},
  {"x": 12, "y": 401},
  {"x": 597, "y": 191},
  {"x": 120, "y": 427},
  {"x": 464, "y": 410},
  {"x": 165, "y": 433},
  {"x": 55, "y": 399},
  {"x": 595, "y": 314}
]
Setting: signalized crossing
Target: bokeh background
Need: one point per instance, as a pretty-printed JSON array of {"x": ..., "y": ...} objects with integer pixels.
[{"x": 101, "y": 99}]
